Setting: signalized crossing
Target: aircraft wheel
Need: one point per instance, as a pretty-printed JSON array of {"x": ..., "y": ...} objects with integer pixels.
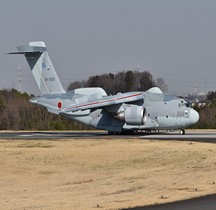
[
  {"x": 182, "y": 132},
  {"x": 113, "y": 133},
  {"x": 110, "y": 132},
  {"x": 127, "y": 132}
]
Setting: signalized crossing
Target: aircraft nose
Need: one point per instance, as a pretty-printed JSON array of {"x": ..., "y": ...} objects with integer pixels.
[{"x": 194, "y": 116}]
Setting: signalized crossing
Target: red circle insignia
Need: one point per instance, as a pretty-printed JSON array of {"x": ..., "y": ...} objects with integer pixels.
[{"x": 59, "y": 104}]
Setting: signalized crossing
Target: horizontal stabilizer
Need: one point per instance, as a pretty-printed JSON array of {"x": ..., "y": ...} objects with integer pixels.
[
  {"x": 26, "y": 52},
  {"x": 31, "y": 47}
]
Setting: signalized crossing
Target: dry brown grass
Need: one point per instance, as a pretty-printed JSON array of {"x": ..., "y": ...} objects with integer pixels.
[{"x": 110, "y": 174}]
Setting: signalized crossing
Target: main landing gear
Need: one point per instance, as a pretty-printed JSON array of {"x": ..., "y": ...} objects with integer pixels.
[
  {"x": 121, "y": 133},
  {"x": 182, "y": 132}
]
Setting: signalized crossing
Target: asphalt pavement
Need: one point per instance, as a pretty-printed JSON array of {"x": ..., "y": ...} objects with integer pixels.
[{"x": 202, "y": 203}]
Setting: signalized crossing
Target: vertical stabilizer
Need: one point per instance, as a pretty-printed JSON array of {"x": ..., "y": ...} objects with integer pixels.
[{"x": 41, "y": 67}]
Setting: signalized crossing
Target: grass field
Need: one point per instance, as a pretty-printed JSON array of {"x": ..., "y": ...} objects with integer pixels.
[{"x": 105, "y": 174}]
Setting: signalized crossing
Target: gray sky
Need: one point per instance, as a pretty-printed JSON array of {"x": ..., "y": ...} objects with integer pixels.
[{"x": 172, "y": 39}]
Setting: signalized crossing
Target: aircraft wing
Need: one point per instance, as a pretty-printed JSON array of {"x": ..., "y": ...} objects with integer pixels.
[{"x": 105, "y": 101}]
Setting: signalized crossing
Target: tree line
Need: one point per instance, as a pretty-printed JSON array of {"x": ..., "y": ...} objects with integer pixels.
[
  {"x": 207, "y": 112},
  {"x": 123, "y": 81},
  {"x": 17, "y": 113}
]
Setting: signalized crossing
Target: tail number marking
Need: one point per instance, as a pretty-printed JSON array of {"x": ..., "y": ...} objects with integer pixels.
[{"x": 51, "y": 79}]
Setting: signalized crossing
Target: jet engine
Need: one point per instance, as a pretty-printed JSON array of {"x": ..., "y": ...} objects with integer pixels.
[{"x": 133, "y": 115}]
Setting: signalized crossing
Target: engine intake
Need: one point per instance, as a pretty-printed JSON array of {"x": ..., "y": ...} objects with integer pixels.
[{"x": 133, "y": 115}]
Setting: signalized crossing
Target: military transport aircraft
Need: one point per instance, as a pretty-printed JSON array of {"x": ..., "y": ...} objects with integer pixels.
[{"x": 121, "y": 113}]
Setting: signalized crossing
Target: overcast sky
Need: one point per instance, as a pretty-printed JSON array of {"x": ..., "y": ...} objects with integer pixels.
[{"x": 172, "y": 39}]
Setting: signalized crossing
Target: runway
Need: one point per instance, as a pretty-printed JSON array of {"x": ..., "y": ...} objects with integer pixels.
[
  {"x": 54, "y": 135},
  {"x": 195, "y": 136},
  {"x": 207, "y": 202}
]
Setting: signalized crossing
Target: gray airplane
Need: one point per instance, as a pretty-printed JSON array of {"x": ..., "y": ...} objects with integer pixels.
[{"x": 121, "y": 113}]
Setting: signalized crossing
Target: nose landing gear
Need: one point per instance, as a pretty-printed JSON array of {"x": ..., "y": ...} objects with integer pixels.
[{"x": 182, "y": 132}]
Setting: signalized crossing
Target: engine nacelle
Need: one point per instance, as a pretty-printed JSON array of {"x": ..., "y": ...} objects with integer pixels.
[{"x": 133, "y": 115}]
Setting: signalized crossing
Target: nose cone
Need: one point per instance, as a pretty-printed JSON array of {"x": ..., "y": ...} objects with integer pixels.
[{"x": 194, "y": 116}]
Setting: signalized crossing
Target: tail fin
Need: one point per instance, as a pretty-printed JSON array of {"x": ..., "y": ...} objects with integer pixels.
[{"x": 41, "y": 67}]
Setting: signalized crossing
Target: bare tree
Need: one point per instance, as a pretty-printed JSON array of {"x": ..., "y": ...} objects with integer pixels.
[{"x": 161, "y": 84}]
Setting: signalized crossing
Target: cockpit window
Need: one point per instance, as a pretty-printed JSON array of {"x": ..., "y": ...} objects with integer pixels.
[
  {"x": 184, "y": 104},
  {"x": 187, "y": 104}
]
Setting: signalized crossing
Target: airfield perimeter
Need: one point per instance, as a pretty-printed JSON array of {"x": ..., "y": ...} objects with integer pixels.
[{"x": 101, "y": 171}]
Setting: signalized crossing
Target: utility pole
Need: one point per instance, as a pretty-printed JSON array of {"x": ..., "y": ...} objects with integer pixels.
[
  {"x": 195, "y": 88},
  {"x": 19, "y": 79}
]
